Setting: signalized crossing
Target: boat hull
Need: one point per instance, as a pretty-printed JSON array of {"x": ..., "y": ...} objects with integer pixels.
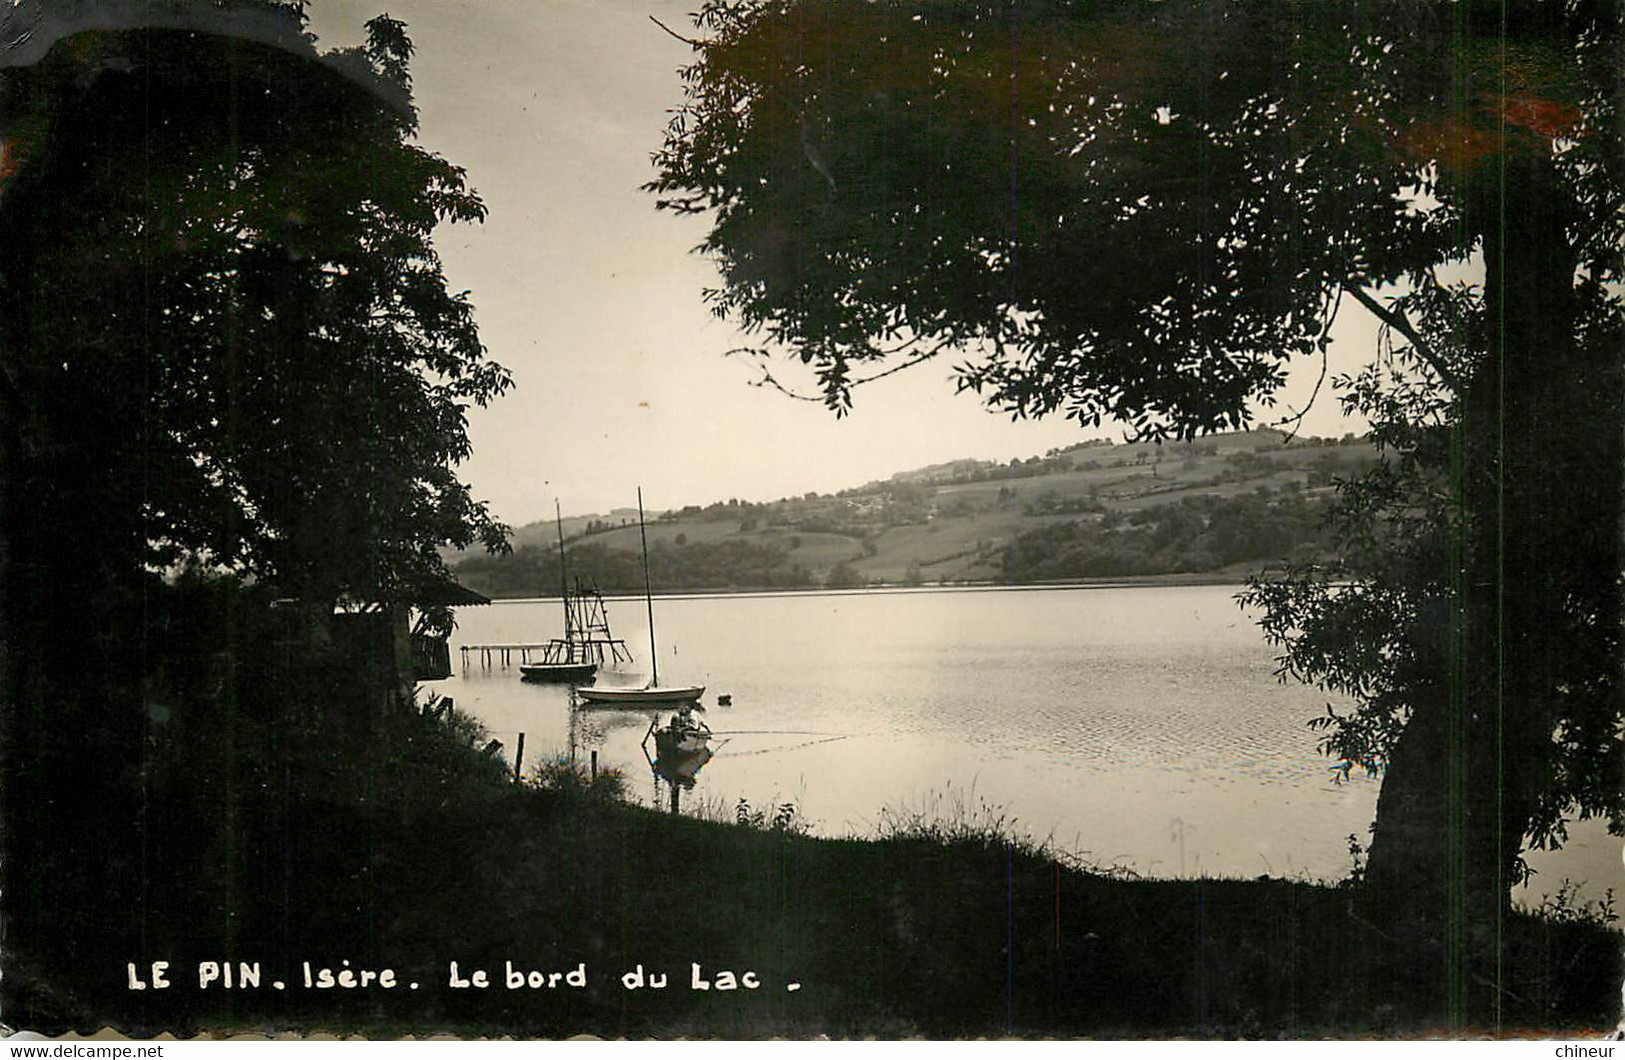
[
  {"x": 670, "y": 745},
  {"x": 638, "y": 696},
  {"x": 558, "y": 672}
]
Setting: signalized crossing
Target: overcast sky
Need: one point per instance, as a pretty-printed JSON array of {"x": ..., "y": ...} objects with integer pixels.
[{"x": 592, "y": 298}]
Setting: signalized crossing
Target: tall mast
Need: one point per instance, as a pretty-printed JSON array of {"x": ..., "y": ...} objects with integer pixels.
[
  {"x": 564, "y": 581},
  {"x": 648, "y": 594}
]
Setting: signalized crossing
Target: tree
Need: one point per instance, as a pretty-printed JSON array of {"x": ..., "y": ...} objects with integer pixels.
[
  {"x": 1146, "y": 212},
  {"x": 221, "y": 250},
  {"x": 844, "y": 576},
  {"x": 227, "y": 348}
]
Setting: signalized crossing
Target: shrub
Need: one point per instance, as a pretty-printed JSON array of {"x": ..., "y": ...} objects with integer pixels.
[
  {"x": 569, "y": 778},
  {"x": 1565, "y": 907}
]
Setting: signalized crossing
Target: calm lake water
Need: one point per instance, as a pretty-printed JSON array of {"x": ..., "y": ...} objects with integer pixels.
[{"x": 1141, "y": 727}]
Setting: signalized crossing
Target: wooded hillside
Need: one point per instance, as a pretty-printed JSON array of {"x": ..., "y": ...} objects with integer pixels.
[{"x": 1223, "y": 506}]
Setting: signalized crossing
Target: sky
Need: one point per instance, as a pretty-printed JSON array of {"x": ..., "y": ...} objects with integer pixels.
[{"x": 592, "y": 298}]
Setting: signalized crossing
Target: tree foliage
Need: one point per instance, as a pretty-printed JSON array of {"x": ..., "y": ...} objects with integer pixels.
[
  {"x": 221, "y": 267},
  {"x": 1126, "y": 210},
  {"x": 691, "y": 565},
  {"x": 231, "y": 373},
  {"x": 1382, "y": 623},
  {"x": 1193, "y": 535}
]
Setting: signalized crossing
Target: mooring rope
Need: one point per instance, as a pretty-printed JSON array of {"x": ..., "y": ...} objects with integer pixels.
[
  {"x": 790, "y": 747},
  {"x": 777, "y": 732}
]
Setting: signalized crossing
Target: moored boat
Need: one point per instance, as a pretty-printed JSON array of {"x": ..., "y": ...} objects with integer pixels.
[
  {"x": 653, "y": 693},
  {"x": 575, "y": 657},
  {"x": 580, "y": 671}
]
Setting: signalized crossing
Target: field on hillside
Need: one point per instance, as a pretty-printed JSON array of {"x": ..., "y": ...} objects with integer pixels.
[{"x": 953, "y": 548}]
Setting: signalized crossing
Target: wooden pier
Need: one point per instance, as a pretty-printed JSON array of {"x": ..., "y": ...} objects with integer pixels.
[{"x": 501, "y": 654}]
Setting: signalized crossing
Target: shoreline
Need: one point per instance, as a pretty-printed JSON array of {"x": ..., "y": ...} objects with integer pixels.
[{"x": 1141, "y": 581}]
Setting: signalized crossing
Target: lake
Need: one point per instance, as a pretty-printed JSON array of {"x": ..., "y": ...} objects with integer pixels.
[{"x": 1138, "y": 727}]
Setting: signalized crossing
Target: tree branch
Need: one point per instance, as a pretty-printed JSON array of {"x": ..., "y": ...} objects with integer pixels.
[
  {"x": 1334, "y": 301},
  {"x": 924, "y": 355},
  {"x": 1401, "y": 324},
  {"x": 767, "y": 378},
  {"x": 692, "y": 43}
]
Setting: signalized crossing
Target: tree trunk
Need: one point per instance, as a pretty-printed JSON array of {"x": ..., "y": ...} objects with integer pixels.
[{"x": 1538, "y": 471}]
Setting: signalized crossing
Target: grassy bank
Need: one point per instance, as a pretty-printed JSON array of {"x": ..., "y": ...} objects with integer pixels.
[{"x": 930, "y": 930}]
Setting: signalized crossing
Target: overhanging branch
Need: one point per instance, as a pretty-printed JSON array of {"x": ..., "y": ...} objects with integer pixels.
[
  {"x": 1400, "y": 323},
  {"x": 691, "y": 42},
  {"x": 1334, "y": 301},
  {"x": 768, "y": 379}
]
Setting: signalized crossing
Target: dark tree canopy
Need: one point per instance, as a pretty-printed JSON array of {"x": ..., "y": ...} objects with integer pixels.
[
  {"x": 1149, "y": 211},
  {"x": 231, "y": 373},
  {"x": 1130, "y": 210},
  {"x": 220, "y": 264}
]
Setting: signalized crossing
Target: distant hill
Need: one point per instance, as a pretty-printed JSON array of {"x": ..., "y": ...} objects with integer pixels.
[
  {"x": 948, "y": 472},
  {"x": 1219, "y": 506},
  {"x": 545, "y": 533}
]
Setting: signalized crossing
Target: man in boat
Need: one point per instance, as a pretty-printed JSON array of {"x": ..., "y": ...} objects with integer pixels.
[{"x": 685, "y": 724}]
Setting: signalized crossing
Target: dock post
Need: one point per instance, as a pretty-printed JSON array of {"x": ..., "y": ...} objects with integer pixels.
[
  {"x": 595, "y": 765},
  {"x": 519, "y": 758}
]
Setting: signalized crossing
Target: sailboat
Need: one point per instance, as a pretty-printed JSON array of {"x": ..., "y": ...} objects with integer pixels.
[
  {"x": 576, "y": 657},
  {"x": 653, "y": 693}
]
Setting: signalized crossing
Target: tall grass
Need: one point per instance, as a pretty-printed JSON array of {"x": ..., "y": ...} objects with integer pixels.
[
  {"x": 958, "y": 816},
  {"x": 774, "y": 816}
]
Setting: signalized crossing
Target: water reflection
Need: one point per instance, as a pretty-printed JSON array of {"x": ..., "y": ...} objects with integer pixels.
[
  {"x": 679, "y": 770},
  {"x": 592, "y": 730}
]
